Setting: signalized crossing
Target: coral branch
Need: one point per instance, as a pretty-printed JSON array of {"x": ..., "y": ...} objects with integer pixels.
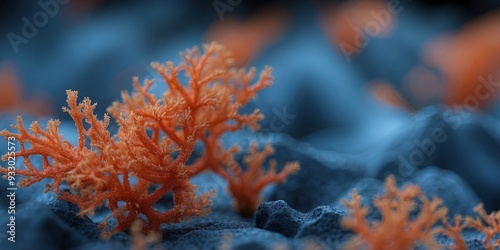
[
  {"x": 102, "y": 175},
  {"x": 208, "y": 106},
  {"x": 490, "y": 229},
  {"x": 130, "y": 171},
  {"x": 246, "y": 186},
  {"x": 454, "y": 232},
  {"x": 395, "y": 230}
]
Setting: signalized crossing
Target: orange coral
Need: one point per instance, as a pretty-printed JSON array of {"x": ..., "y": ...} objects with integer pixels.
[
  {"x": 348, "y": 24},
  {"x": 246, "y": 186},
  {"x": 101, "y": 174},
  {"x": 246, "y": 39},
  {"x": 132, "y": 170},
  {"x": 469, "y": 60},
  {"x": 211, "y": 103},
  {"x": 490, "y": 230},
  {"x": 11, "y": 97},
  {"x": 141, "y": 240},
  {"x": 454, "y": 231},
  {"x": 396, "y": 230}
]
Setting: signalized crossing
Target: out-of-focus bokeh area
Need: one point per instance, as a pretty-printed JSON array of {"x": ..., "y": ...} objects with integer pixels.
[{"x": 347, "y": 73}]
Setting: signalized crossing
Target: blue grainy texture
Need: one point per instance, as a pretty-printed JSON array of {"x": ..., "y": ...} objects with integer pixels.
[
  {"x": 321, "y": 224},
  {"x": 39, "y": 227},
  {"x": 455, "y": 193},
  {"x": 279, "y": 217}
]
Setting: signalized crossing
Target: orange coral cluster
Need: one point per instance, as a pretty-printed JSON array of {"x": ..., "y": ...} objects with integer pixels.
[
  {"x": 397, "y": 230},
  {"x": 132, "y": 170},
  {"x": 102, "y": 173},
  {"x": 490, "y": 229},
  {"x": 210, "y": 104}
]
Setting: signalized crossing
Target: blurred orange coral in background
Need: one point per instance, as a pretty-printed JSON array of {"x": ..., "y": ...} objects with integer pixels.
[
  {"x": 11, "y": 98},
  {"x": 246, "y": 39},
  {"x": 351, "y": 24},
  {"x": 469, "y": 61}
]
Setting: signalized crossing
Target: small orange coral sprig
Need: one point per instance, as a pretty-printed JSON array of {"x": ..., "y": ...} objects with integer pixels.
[
  {"x": 396, "y": 230},
  {"x": 490, "y": 229},
  {"x": 453, "y": 231},
  {"x": 246, "y": 186}
]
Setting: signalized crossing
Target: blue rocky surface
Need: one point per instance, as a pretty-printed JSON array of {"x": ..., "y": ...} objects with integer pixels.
[
  {"x": 320, "y": 111},
  {"x": 304, "y": 210}
]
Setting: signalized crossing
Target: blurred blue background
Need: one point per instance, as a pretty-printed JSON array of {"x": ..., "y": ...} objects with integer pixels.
[{"x": 347, "y": 73}]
